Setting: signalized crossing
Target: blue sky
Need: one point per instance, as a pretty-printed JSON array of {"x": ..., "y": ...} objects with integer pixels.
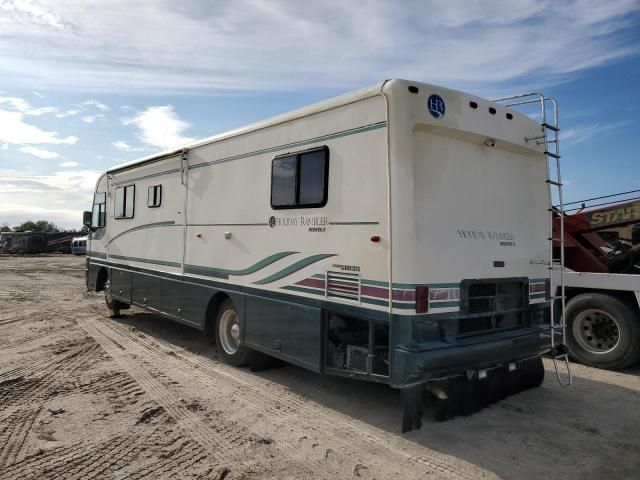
[{"x": 88, "y": 85}]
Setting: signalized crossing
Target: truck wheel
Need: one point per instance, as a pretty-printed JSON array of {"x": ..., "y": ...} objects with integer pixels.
[
  {"x": 228, "y": 336},
  {"x": 113, "y": 305},
  {"x": 602, "y": 331}
]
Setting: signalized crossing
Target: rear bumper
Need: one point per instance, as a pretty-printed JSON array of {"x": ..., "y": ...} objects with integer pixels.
[{"x": 426, "y": 362}]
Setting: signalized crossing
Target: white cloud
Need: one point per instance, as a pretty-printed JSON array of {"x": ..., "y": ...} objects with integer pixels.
[
  {"x": 38, "y": 94},
  {"x": 256, "y": 45},
  {"x": 581, "y": 133},
  {"x": 69, "y": 164},
  {"x": 27, "y": 11},
  {"x": 92, "y": 118},
  {"x": 39, "y": 152},
  {"x": 160, "y": 126},
  {"x": 21, "y": 105},
  {"x": 59, "y": 197},
  {"x": 5, "y": 146},
  {"x": 125, "y": 147},
  {"x": 68, "y": 113},
  {"x": 97, "y": 104},
  {"x": 15, "y": 130}
]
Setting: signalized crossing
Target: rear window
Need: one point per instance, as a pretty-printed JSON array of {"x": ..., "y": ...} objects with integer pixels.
[{"x": 300, "y": 180}]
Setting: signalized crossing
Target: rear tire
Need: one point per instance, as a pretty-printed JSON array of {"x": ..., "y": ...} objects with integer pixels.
[
  {"x": 602, "y": 331},
  {"x": 113, "y": 305},
  {"x": 229, "y": 336}
]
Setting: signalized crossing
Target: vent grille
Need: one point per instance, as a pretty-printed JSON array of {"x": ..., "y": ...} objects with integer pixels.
[
  {"x": 491, "y": 306},
  {"x": 357, "y": 358},
  {"x": 343, "y": 285}
]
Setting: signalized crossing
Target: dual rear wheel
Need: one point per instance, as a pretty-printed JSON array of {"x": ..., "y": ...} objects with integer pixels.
[{"x": 602, "y": 331}]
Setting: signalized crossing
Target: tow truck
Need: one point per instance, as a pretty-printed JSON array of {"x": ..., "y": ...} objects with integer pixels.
[{"x": 601, "y": 280}]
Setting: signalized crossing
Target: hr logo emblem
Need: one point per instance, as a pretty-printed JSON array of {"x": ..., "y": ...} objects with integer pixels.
[{"x": 435, "y": 105}]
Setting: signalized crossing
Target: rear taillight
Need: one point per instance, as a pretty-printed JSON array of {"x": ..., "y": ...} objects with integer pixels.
[{"x": 422, "y": 299}]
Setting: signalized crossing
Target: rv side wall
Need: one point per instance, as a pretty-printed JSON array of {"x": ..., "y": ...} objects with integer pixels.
[{"x": 230, "y": 241}]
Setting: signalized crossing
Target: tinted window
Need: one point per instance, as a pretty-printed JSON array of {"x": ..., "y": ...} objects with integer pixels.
[
  {"x": 300, "y": 180},
  {"x": 154, "y": 196},
  {"x": 312, "y": 170},
  {"x": 124, "y": 201},
  {"x": 283, "y": 181}
]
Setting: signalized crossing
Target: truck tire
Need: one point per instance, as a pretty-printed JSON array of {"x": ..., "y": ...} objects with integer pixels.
[
  {"x": 229, "y": 336},
  {"x": 113, "y": 305},
  {"x": 602, "y": 331}
]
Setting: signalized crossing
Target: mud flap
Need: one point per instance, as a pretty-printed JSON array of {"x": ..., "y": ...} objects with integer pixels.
[
  {"x": 412, "y": 399},
  {"x": 464, "y": 395}
]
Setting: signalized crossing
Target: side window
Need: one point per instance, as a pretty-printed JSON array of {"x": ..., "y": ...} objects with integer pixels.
[
  {"x": 300, "y": 180},
  {"x": 99, "y": 218},
  {"x": 124, "y": 201},
  {"x": 154, "y": 196}
]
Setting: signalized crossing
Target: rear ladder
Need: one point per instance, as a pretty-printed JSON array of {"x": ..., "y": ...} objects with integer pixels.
[{"x": 549, "y": 138}]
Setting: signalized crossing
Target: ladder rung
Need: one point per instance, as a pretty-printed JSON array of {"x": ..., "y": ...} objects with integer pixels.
[
  {"x": 556, "y": 239},
  {"x": 557, "y": 297},
  {"x": 553, "y": 182},
  {"x": 551, "y": 127},
  {"x": 551, "y": 154}
]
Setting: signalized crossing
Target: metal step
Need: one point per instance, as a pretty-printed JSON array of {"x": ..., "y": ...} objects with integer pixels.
[
  {"x": 551, "y": 154},
  {"x": 553, "y": 128},
  {"x": 553, "y": 182}
]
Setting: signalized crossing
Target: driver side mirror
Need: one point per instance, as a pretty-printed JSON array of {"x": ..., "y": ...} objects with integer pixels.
[{"x": 86, "y": 219}]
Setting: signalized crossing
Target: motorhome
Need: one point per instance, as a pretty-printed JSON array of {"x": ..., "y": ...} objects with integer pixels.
[
  {"x": 397, "y": 234},
  {"x": 79, "y": 245}
]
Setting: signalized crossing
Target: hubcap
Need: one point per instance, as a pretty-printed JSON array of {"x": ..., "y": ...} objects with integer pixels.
[
  {"x": 596, "y": 331},
  {"x": 229, "y": 331},
  {"x": 107, "y": 291}
]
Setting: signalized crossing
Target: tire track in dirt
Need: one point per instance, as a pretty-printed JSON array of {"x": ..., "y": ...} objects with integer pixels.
[
  {"x": 218, "y": 447},
  {"x": 46, "y": 378},
  {"x": 48, "y": 363},
  {"x": 14, "y": 434},
  {"x": 88, "y": 461},
  {"x": 177, "y": 463},
  {"x": 156, "y": 358},
  {"x": 271, "y": 400}
]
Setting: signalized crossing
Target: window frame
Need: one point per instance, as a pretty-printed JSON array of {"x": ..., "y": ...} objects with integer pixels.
[
  {"x": 124, "y": 204},
  {"x": 150, "y": 189},
  {"x": 102, "y": 202},
  {"x": 298, "y": 155}
]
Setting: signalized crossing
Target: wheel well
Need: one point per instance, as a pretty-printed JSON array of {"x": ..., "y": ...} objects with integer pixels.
[
  {"x": 212, "y": 311},
  {"x": 628, "y": 298},
  {"x": 101, "y": 279}
]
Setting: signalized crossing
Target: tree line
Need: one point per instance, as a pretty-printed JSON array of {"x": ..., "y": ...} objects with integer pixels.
[{"x": 38, "y": 226}]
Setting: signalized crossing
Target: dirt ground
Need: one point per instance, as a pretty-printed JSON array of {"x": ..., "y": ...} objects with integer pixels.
[{"x": 83, "y": 396}]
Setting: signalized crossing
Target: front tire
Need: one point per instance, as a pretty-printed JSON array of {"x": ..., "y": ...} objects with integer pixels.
[
  {"x": 602, "y": 331},
  {"x": 229, "y": 336}
]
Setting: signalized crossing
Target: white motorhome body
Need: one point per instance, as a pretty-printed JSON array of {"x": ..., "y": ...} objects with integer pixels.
[
  {"x": 412, "y": 217},
  {"x": 79, "y": 245}
]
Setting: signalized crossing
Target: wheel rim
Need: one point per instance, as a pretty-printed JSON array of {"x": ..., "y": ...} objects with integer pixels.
[
  {"x": 107, "y": 291},
  {"x": 596, "y": 331},
  {"x": 229, "y": 331}
]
